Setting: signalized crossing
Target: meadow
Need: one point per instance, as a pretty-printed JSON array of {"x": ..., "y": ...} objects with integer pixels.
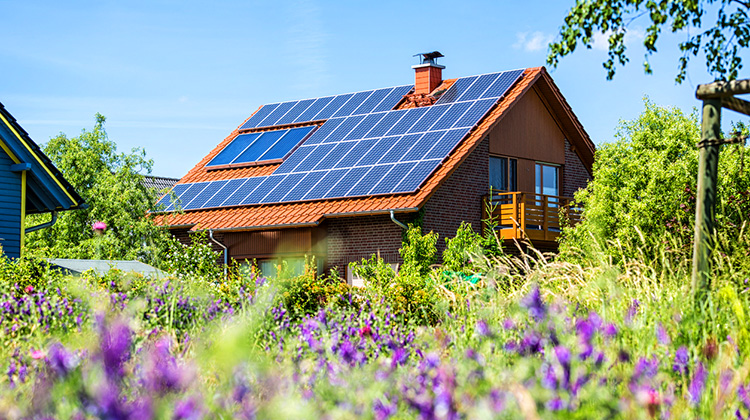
[{"x": 526, "y": 337}]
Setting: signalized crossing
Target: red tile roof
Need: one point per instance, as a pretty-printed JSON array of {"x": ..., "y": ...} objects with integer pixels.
[{"x": 313, "y": 212}]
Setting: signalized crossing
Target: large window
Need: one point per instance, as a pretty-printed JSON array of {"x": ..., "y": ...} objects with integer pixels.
[
  {"x": 503, "y": 174},
  {"x": 547, "y": 179}
]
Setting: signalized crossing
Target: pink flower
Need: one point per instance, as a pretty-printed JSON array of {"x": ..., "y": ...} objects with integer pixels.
[
  {"x": 28, "y": 289},
  {"x": 37, "y": 354},
  {"x": 99, "y": 226}
]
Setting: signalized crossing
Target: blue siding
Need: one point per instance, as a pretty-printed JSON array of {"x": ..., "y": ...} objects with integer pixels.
[{"x": 10, "y": 207}]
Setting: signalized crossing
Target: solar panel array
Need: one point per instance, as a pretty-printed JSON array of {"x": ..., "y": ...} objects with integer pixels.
[
  {"x": 329, "y": 107},
  {"x": 359, "y": 154},
  {"x": 259, "y": 147}
]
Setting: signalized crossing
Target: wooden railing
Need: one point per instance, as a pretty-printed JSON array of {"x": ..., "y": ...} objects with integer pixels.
[{"x": 522, "y": 215}]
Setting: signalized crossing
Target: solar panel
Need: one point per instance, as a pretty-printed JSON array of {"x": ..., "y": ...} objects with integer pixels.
[
  {"x": 282, "y": 188},
  {"x": 286, "y": 143},
  {"x": 446, "y": 144},
  {"x": 393, "y": 98},
  {"x": 392, "y": 178},
  {"x": 364, "y": 147},
  {"x": 277, "y": 113},
  {"x": 372, "y": 101},
  {"x": 304, "y": 186},
  {"x": 344, "y": 128},
  {"x": 173, "y": 195},
  {"x": 260, "y": 146},
  {"x": 200, "y": 200},
  {"x": 417, "y": 176},
  {"x": 385, "y": 124},
  {"x": 429, "y": 118},
  {"x": 326, "y": 129},
  {"x": 376, "y": 152},
  {"x": 314, "y": 157},
  {"x": 314, "y": 109},
  {"x": 243, "y": 191},
  {"x": 475, "y": 113},
  {"x": 228, "y": 189},
  {"x": 233, "y": 149},
  {"x": 420, "y": 149},
  {"x": 295, "y": 112},
  {"x": 259, "y": 116},
  {"x": 480, "y": 85},
  {"x": 347, "y": 182},
  {"x": 366, "y": 183},
  {"x": 502, "y": 84},
  {"x": 265, "y": 186},
  {"x": 405, "y": 123},
  {"x": 366, "y": 125},
  {"x": 332, "y": 158},
  {"x": 292, "y": 161},
  {"x": 451, "y": 116},
  {"x": 328, "y": 111},
  {"x": 454, "y": 92},
  {"x": 356, "y": 151},
  {"x": 326, "y": 183},
  {"x": 400, "y": 148},
  {"x": 354, "y": 102}
]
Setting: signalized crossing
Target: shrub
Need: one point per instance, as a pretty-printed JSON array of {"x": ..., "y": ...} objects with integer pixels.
[
  {"x": 459, "y": 249},
  {"x": 306, "y": 294},
  {"x": 418, "y": 251}
]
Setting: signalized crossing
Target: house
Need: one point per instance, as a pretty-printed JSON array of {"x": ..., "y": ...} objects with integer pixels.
[
  {"x": 30, "y": 185},
  {"x": 338, "y": 177},
  {"x": 158, "y": 183}
]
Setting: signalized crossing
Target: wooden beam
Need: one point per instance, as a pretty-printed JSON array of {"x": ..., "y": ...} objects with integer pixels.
[
  {"x": 722, "y": 89},
  {"x": 736, "y": 104}
]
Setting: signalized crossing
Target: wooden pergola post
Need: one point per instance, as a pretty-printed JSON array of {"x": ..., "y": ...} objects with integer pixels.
[{"x": 714, "y": 96}]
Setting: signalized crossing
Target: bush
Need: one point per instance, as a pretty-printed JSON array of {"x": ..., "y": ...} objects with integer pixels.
[
  {"x": 459, "y": 249},
  {"x": 418, "y": 251},
  {"x": 308, "y": 293}
]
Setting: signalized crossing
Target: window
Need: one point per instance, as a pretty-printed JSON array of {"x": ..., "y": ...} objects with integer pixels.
[
  {"x": 503, "y": 174},
  {"x": 292, "y": 266},
  {"x": 547, "y": 179}
]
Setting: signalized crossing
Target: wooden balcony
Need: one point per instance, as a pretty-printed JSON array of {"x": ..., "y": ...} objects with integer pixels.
[{"x": 534, "y": 217}]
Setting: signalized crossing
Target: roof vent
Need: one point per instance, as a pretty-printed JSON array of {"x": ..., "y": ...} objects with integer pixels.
[{"x": 428, "y": 74}]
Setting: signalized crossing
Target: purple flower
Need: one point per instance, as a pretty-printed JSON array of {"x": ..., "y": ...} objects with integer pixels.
[
  {"x": 483, "y": 329},
  {"x": 187, "y": 409},
  {"x": 383, "y": 410},
  {"x": 555, "y": 404},
  {"x": 115, "y": 348},
  {"x": 508, "y": 324},
  {"x": 533, "y": 302},
  {"x": 610, "y": 330},
  {"x": 60, "y": 360},
  {"x": 662, "y": 336},
  {"x": 697, "y": 384},
  {"x": 632, "y": 311},
  {"x": 162, "y": 374},
  {"x": 497, "y": 400},
  {"x": 744, "y": 393},
  {"x": 681, "y": 359},
  {"x": 585, "y": 329}
]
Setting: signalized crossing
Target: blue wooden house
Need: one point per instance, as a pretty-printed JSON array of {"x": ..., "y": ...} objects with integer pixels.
[{"x": 29, "y": 184}]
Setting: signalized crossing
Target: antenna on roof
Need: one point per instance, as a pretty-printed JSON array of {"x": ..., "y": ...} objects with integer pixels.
[{"x": 429, "y": 57}]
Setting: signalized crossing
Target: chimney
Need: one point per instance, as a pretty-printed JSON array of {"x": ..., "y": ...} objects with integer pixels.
[{"x": 428, "y": 74}]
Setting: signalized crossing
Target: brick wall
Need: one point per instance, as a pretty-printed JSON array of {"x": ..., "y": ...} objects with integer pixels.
[
  {"x": 575, "y": 174},
  {"x": 353, "y": 238},
  {"x": 459, "y": 198}
]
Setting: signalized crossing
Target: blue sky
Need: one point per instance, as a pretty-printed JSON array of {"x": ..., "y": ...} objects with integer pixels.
[{"x": 176, "y": 77}]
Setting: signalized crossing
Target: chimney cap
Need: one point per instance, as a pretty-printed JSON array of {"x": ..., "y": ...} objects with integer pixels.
[{"x": 429, "y": 57}]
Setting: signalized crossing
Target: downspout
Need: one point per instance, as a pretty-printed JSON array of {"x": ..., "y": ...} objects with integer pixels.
[
  {"x": 43, "y": 225},
  {"x": 393, "y": 218},
  {"x": 226, "y": 251}
]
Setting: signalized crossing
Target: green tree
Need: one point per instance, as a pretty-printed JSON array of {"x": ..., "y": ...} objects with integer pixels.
[
  {"x": 110, "y": 183},
  {"x": 721, "y": 44},
  {"x": 643, "y": 189}
]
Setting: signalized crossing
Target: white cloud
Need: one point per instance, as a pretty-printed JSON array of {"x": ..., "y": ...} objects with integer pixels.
[
  {"x": 600, "y": 41},
  {"x": 532, "y": 41}
]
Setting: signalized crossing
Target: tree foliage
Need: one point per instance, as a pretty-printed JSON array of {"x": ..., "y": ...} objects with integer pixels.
[
  {"x": 643, "y": 192},
  {"x": 721, "y": 44},
  {"x": 110, "y": 183}
]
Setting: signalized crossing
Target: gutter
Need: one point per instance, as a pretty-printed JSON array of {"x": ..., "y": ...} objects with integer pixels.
[
  {"x": 393, "y": 218},
  {"x": 43, "y": 225},
  {"x": 226, "y": 251}
]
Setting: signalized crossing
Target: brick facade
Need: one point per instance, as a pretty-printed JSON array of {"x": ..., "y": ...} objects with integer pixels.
[
  {"x": 353, "y": 238},
  {"x": 459, "y": 198},
  {"x": 575, "y": 175}
]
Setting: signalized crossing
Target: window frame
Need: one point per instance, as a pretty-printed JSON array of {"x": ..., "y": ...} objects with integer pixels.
[{"x": 511, "y": 175}]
